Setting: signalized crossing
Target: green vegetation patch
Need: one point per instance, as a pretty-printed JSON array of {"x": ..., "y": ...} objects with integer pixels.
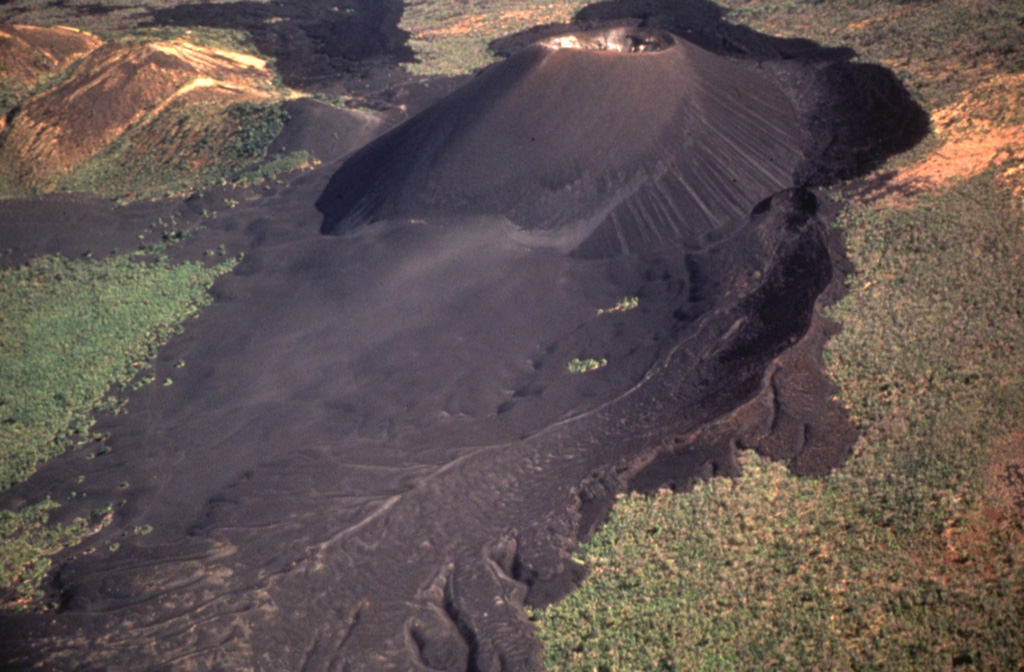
[
  {"x": 73, "y": 329},
  {"x": 774, "y": 572},
  {"x": 621, "y": 306},
  {"x": 187, "y": 147},
  {"x": 578, "y": 365},
  {"x": 901, "y": 560},
  {"x": 12, "y": 94},
  {"x": 279, "y": 163},
  {"x": 228, "y": 39},
  {"x": 28, "y": 541}
]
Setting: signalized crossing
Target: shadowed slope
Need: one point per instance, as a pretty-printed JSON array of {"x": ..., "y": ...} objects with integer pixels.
[
  {"x": 314, "y": 42},
  {"x": 596, "y": 149}
]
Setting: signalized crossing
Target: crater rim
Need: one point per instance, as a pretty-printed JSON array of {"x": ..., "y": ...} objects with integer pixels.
[{"x": 619, "y": 40}]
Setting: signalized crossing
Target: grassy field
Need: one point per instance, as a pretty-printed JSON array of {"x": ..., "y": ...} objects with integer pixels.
[
  {"x": 74, "y": 334},
  {"x": 912, "y": 555}
]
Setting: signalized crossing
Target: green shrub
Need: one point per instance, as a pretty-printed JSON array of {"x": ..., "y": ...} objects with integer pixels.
[{"x": 72, "y": 330}]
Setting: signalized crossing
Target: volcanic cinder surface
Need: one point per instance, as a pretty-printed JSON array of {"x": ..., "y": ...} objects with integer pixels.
[{"x": 375, "y": 454}]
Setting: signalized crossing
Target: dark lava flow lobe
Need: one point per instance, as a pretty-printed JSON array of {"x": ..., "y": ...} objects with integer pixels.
[{"x": 376, "y": 454}]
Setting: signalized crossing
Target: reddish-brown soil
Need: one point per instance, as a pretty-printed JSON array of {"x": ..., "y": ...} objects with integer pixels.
[
  {"x": 26, "y": 52},
  {"x": 117, "y": 86}
]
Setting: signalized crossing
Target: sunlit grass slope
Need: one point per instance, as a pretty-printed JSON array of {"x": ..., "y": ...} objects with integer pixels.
[{"x": 189, "y": 109}]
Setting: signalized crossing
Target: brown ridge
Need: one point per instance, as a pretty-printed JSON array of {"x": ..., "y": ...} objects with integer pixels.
[{"x": 116, "y": 86}]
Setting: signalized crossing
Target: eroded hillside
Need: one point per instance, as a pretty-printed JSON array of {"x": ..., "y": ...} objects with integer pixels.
[
  {"x": 128, "y": 119},
  {"x": 28, "y": 52}
]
